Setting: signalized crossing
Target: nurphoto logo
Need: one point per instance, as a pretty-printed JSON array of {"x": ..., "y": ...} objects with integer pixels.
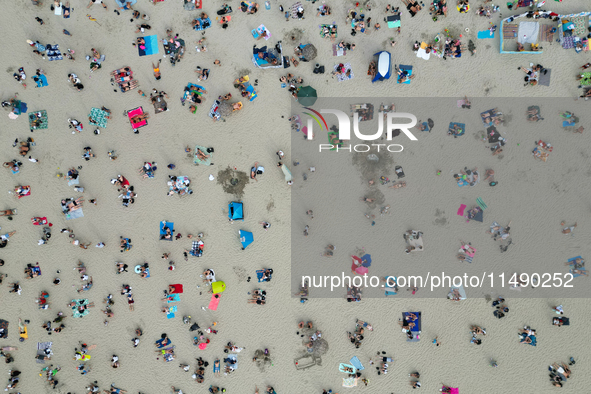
[{"x": 344, "y": 130}]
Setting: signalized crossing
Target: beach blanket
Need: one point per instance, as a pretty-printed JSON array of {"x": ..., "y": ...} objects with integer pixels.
[
  {"x": 178, "y": 289},
  {"x": 171, "y": 312},
  {"x": 214, "y": 302},
  {"x": 524, "y": 3},
  {"x": 134, "y": 112},
  {"x": 325, "y": 30},
  {"x": 390, "y": 284},
  {"x": 44, "y": 345},
  {"x": 150, "y": 46},
  {"x": 260, "y": 276},
  {"x": 214, "y": 112},
  {"x": 233, "y": 357},
  {"x": 544, "y": 78},
  {"x": 343, "y": 77},
  {"x": 336, "y": 51},
  {"x": 173, "y": 298},
  {"x": 408, "y": 70},
  {"x": 294, "y": 10},
  {"x": 79, "y": 302},
  {"x": 350, "y": 382},
  {"x": 256, "y": 33},
  {"x": 416, "y": 330},
  {"x": 53, "y": 52},
  {"x": 528, "y": 32},
  {"x": 4, "y": 327},
  {"x": 38, "y": 122},
  {"x": 98, "y": 117},
  {"x": 75, "y": 214},
  {"x": 163, "y": 226},
  {"x": 484, "y": 34},
  {"x": 123, "y": 3},
  {"x": 460, "y": 290},
  {"x": 41, "y": 80},
  {"x": 203, "y": 24},
  {"x": 207, "y": 161},
  {"x": 452, "y": 390},
  {"x": 422, "y": 52},
  {"x": 510, "y": 31},
  {"x": 462, "y": 128},
  {"x": 546, "y": 33},
  {"x": 393, "y": 21},
  {"x": 191, "y": 5}
]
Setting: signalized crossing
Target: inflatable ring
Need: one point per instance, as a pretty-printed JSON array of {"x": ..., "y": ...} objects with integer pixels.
[
  {"x": 467, "y": 30},
  {"x": 138, "y": 269}
]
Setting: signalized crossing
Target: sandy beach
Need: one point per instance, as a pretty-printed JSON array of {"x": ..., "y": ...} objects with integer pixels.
[{"x": 534, "y": 196}]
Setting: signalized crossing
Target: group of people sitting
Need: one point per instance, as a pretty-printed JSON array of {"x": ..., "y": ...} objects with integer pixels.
[{"x": 123, "y": 77}]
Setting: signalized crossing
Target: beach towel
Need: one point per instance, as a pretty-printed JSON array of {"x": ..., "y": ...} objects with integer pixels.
[
  {"x": 75, "y": 214},
  {"x": 233, "y": 357},
  {"x": 356, "y": 363},
  {"x": 123, "y": 3},
  {"x": 462, "y": 127},
  {"x": 207, "y": 161},
  {"x": 40, "y": 355},
  {"x": 214, "y": 302},
  {"x": 422, "y": 53},
  {"x": 4, "y": 327},
  {"x": 191, "y": 5},
  {"x": 544, "y": 78},
  {"x": 214, "y": 112},
  {"x": 38, "y": 122},
  {"x": 171, "y": 311},
  {"x": 150, "y": 46},
  {"x": 41, "y": 80},
  {"x": 416, "y": 330},
  {"x": 44, "y": 345},
  {"x": 452, "y": 390},
  {"x": 510, "y": 31},
  {"x": 484, "y": 34},
  {"x": 216, "y": 368},
  {"x": 565, "y": 321},
  {"x": 393, "y": 21},
  {"x": 336, "y": 51},
  {"x": 73, "y": 182},
  {"x": 390, "y": 284},
  {"x": 178, "y": 289},
  {"x": 343, "y": 77},
  {"x": 191, "y": 89},
  {"x": 256, "y": 33},
  {"x": 203, "y": 24},
  {"x": 332, "y": 137},
  {"x": 163, "y": 226},
  {"x": 350, "y": 382},
  {"x": 286, "y": 173},
  {"x": 342, "y": 367},
  {"x": 260, "y": 276},
  {"x": 527, "y": 33},
  {"x": 481, "y": 203},
  {"x": 53, "y": 52},
  {"x": 460, "y": 290},
  {"x": 134, "y": 112},
  {"x": 325, "y": 30},
  {"x": 294, "y": 10},
  {"x": 461, "y": 210},
  {"x": 98, "y": 117},
  {"x": 408, "y": 69},
  {"x": 252, "y": 94},
  {"x": 75, "y": 312}
]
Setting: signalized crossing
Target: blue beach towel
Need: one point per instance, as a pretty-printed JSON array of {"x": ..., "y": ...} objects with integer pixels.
[
  {"x": 75, "y": 214},
  {"x": 390, "y": 284},
  {"x": 150, "y": 47},
  {"x": 172, "y": 310},
  {"x": 356, "y": 363},
  {"x": 203, "y": 24},
  {"x": 41, "y": 81},
  {"x": 408, "y": 69},
  {"x": 163, "y": 226},
  {"x": 482, "y": 35},
  {"x": 173, "y": 298}
]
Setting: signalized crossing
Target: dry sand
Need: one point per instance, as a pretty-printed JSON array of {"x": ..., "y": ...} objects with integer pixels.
[{"x": 535, "y": 196}]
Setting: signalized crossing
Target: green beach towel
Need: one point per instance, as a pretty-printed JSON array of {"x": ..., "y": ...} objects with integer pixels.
[
  {"x": 41, "y": 121},
  {"x": 98, "y": 117}
]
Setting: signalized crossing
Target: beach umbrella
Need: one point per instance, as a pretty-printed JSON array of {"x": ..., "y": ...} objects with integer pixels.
[
  {"x": 236, "y": 211},
  {"x": 246, "y": 238},
  {"x": 309, "y": 52},
  {"x": 307, "y": 96},
  {"x": 366, "y": 260}
]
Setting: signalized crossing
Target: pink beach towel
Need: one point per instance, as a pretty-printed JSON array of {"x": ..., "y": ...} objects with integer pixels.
[
  {"x": 461, "y": 210},
  {"x": 215, "y": 300},
  {"x": 134, "y": 112}
]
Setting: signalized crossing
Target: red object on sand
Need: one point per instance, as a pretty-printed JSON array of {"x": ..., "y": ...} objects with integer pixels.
[
  {"x": 215, "y": 300},
  {"x": 178, "y": 289}
]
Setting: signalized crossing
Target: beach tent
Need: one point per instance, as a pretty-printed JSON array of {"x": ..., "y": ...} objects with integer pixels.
[
  {"x": 384, "y": 66},
  {"x": 246, "y": 238},
  {"x": 218, "y": 287},
  {"x": 236, "y": 211},
  {"x": 150, "y": 46}
]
